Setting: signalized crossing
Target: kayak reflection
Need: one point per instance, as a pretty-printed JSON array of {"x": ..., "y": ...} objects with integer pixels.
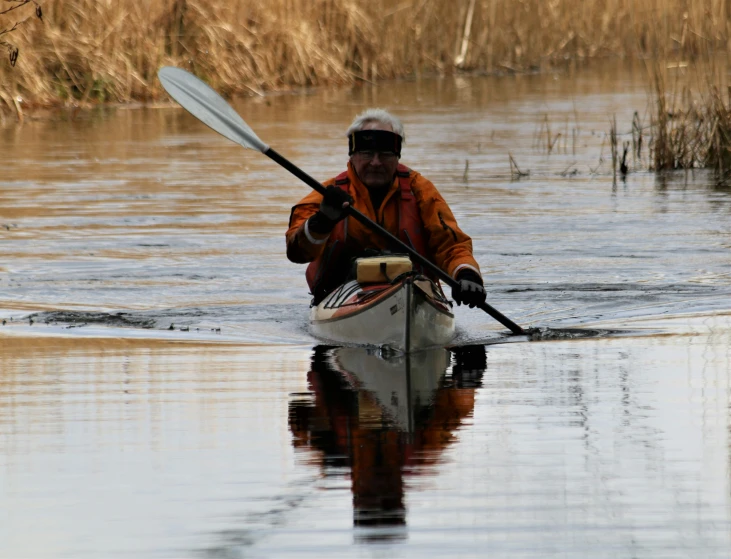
[{"x": 384, "y": 418}]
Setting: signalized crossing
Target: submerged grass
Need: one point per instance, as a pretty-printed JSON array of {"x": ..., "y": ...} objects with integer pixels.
[{"x": 86, "y": 51}]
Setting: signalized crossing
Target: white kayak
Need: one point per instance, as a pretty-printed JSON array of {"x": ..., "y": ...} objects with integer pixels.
[{"x": 405, "y": 315}]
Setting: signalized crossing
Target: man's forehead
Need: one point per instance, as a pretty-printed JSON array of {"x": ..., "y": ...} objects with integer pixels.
[{"x": 376, "y": 125}]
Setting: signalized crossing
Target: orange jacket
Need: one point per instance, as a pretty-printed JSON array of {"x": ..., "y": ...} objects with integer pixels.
[{"x": 448, "y": 246}]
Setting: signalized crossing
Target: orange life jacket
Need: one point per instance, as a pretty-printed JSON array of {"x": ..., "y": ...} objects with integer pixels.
[{"x": 410, "y": 231}]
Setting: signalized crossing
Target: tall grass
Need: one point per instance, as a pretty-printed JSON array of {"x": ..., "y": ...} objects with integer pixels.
[
  {"x": 691, "y": 123},
  {"x": 88, "y": 51}
]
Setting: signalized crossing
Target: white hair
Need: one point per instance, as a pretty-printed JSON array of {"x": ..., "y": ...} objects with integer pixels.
[{"x": 381, "y": 116}]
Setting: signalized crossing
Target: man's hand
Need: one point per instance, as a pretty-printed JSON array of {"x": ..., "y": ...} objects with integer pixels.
[
  {"x": 334, "y": 203},
  {"x": 333, "y": 208},
  {"x": 469, "y": 289}
]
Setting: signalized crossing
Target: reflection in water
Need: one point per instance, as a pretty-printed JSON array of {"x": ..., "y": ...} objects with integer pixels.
[{"x": 384, "y": 419}]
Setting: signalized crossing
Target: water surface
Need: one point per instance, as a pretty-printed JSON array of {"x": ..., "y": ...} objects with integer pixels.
[{"x": 160, "y": 395}]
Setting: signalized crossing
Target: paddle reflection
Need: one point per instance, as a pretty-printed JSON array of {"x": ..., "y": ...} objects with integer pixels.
[{"x": 384, "y": 419}]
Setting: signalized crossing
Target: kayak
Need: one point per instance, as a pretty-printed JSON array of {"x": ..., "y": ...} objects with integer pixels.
[{"x": 405, "y": 313}]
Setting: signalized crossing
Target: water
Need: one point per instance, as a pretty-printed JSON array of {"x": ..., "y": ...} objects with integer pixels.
[{"x": 168, "y": 401}]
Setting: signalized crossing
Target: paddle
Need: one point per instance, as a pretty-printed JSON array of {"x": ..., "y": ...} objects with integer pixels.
[{"x": 210, "y": 108}]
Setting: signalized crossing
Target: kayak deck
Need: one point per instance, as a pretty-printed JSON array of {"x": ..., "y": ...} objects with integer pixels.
[{"x": 406, "y": 315}]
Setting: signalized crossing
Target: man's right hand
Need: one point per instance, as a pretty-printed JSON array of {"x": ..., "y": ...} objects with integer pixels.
[
  {"x": 333, "y": 208},
  {"x": 334, "y": 203}
]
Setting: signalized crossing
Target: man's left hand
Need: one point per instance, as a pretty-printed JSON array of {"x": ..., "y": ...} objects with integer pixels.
[{"x": 469, "y": 289}]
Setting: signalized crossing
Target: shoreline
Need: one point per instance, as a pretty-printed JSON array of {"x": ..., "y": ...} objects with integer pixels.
[{"x": 36, "y": 112}]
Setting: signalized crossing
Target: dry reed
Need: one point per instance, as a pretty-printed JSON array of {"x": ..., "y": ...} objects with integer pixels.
[
  {"x": 691, "y": 124},
  {"x": 109, "y": 50}
]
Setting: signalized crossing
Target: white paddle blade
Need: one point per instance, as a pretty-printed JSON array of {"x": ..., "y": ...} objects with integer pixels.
[{"x": 209, "y": 107}]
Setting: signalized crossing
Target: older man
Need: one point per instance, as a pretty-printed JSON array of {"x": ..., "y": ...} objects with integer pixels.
[{"x": 392, "y": 195}]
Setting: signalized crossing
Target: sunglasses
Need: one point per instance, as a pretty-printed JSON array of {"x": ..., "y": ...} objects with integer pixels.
[{"x": 384, "y": 156}]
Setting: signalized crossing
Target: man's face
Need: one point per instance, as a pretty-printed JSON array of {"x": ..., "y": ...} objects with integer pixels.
[{"x": 375, "y": 169}]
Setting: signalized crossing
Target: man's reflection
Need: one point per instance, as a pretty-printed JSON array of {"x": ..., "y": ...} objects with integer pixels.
[{"x": 382, "y": 418}]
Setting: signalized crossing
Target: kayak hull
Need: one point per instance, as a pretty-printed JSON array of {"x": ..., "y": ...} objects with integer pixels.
[{"x": 406, "y": 316}]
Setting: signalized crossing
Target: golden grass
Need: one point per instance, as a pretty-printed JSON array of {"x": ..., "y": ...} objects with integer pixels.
[
  {"x": 691, "y": 124},
  {"x": 88, "y": 51}
]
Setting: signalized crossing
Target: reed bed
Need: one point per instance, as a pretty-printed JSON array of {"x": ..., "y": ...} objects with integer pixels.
[
  {"x": 691, "y": 123},
  {"x": 87, "y": 51}
]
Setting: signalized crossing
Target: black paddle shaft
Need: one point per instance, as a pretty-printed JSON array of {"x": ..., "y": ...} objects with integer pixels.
[{"x": 441, "y": 274}]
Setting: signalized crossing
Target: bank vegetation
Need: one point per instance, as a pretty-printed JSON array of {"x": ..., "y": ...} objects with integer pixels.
[
  {"x": 691, "y": 121},
  {"x": 81, "y": 52},
  {"x": 88, "y": 51}
]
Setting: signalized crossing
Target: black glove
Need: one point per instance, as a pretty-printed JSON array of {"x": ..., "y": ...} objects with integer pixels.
[
  {"x": 331, "y": 210},
  {"x": 469, "y": 289}
]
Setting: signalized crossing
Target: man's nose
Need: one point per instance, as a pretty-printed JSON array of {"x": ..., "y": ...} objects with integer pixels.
[{"x": 376, "y": 159}]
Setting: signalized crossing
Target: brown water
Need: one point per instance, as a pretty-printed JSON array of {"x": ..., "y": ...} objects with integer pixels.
[{"x": 160, "y": 395}]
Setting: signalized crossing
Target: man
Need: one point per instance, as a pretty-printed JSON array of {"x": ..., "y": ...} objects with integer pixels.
[{"x": 397, "y": 198}]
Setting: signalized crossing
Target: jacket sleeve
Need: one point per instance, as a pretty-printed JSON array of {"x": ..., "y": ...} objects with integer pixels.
[
  {"x": 301, "y": 246},
  {"x": 450, "y": 247}
]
